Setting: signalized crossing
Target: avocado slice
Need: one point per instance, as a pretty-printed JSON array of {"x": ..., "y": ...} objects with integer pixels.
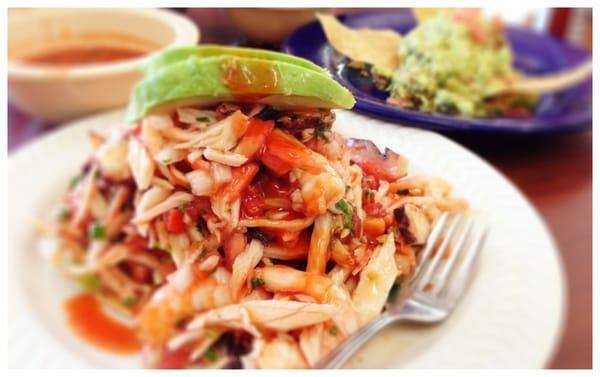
[
  {"x": 208, "y": 81},
  {"x": 178, "y": 54}
]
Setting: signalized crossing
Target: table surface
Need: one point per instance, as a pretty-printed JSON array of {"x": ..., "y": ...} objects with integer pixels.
[{"x": 554, "y": 172}]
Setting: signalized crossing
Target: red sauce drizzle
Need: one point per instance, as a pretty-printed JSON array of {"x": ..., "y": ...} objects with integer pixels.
[{"x": 87, "y": 319}]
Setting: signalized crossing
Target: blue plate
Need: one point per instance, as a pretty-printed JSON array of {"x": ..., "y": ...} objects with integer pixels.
[{"x": 534, "y": 53}]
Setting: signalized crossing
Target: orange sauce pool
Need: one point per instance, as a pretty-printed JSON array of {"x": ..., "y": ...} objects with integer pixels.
[
  {"x": 84, "y": 55},
  {"x": 88, "y": 320}
]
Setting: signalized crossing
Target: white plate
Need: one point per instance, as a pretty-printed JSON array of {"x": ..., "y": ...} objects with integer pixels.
[{"x": 511, "y": 316}]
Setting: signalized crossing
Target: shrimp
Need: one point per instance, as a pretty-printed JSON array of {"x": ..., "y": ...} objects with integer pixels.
[
  {"x": 277, "y": 315},
  {"x": 141, "y": 164},
  {"x": 318, "y": 252},
  {"x": 281, "y": 352},
  {"x": 182, "y": 296},
  {"x": 286, "y": 279},
  {"x": 242, "y": 267},
  {"x": 319, "y": 191}
]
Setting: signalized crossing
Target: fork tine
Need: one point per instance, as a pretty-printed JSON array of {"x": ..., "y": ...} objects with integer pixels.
[
  {"x": 464, "y": 271},
  {"x": 425, "y": 278},
  {"x": 432, "y": 240},
  {"x": 458, "y": 248}
]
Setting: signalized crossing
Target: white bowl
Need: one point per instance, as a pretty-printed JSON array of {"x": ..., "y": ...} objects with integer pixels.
[{"x": 59, "y": 93}]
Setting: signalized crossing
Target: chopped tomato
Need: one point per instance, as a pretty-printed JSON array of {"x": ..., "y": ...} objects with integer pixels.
[
  {"x": 139, "y": 272},
  {"x": 374, "y": 226},
  {"x": 273, "y": 163},
  {"x": 374, "y": 209},
  {"x": 255, "y": 136},
  {"x": 471, "y": 18},
  {"x": 174, "y": 221},
  {"x": 136, "y": 243},
  {"x": 292, "y": 152},
  {"x": 262, "y": 188},
  {"x": 242, "y": 176},
  {"x": 178, "y": 358},
  {"x": 252, "y": 202}
]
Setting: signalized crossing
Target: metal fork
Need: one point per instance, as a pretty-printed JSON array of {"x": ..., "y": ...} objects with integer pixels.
[{"x": 437, "y": 285}]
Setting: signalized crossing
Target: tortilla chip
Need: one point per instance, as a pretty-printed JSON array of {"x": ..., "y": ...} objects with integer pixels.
[{"x": 376, "y": 47}]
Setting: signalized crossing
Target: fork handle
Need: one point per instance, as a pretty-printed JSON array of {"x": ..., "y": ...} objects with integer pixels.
[{"x": 338, "y": 357}]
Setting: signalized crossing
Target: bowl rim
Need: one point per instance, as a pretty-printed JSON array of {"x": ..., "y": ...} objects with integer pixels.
[{"x": 185, "y": 32}]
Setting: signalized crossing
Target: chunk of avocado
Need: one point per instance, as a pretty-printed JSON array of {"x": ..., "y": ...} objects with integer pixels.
[
  {"x": 207, "y": 81},
  {"x": 178, "y": 54}
]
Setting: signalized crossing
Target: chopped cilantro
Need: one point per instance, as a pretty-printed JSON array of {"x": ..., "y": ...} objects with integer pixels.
[
  {"x": 74, "y": 180},
  {"x": 213, "y": 334},
  {"x": 211, "y": 355},
  {"x": 166, "y": 161},
  {"x": 181, "y": 208},
  {"x": 320, "y": 133},
  {"x": 96, "y": 231},
  {"x": 130, "y": 301},
  {"x": 402, "y": 192},
  {"x": 203, "y": 119},
  {"x": 334, "y": 330},
  {"x": 202, "y": 253},
  {"x": 88, "y": 282},
  {"x": 64, "y": 214},
  {"x": 257, "y": 282},
  {"x": 369, "y": 193},
  {"x": 347, "y": 210}
]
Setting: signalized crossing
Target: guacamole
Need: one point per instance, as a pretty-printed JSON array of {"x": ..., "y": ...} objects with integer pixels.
[{"x": 448, "y": 63}]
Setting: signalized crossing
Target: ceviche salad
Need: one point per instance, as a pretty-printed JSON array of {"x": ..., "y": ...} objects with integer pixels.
[{"x": 231, "y": 223}]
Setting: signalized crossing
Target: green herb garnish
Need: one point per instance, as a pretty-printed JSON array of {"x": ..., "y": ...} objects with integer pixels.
[
  {"x": 181, "y": 208},
  {"x": 334, "y": 330},
  {"x": 320, "y": 133},
  {"x": 203, "y": 119},
  {"x": 130, "y": 301},
  {"x": 202, "y": 253},
  {"x": 88, "y": 282},
  {"x": 369, "y": 193},
  {"x": 347, "y": 210},
  {"x": 257, "y": 282},
  {"x": 96, "y": 231},
  {"x": 211, "y": 355},
  {"x": 64, "y": 214},
  {"x": 74, "y": 180},
  {"x": 213, "y": 334}
]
